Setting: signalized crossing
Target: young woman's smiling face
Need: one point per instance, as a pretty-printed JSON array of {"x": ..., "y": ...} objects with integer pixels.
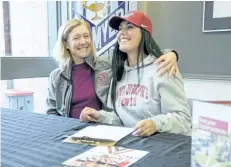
[{"x": 129, "y": 37}]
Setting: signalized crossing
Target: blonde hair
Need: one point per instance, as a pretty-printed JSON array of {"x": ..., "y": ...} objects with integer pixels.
[{"x": 60, "y": 52}]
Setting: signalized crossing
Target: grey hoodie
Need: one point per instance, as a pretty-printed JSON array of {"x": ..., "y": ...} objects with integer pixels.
[{"x": 158, "y": 98}]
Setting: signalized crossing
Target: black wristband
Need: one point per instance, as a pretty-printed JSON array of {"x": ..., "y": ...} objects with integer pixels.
[{"x": 177, "y": 56}]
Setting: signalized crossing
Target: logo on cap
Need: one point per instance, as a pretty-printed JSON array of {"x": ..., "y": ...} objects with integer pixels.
[{"x": 142, "y": 25}]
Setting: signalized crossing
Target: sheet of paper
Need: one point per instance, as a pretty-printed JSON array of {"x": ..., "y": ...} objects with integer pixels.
[{"x": 112, "y": 133}]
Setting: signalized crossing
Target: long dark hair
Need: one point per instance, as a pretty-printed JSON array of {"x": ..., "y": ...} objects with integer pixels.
[{"x": 147, "y": 46}]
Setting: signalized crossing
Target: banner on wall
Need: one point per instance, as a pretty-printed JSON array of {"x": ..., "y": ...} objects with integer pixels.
[
  {"x": 211, "y": 135},
  {"x": 98, "y": 14}
]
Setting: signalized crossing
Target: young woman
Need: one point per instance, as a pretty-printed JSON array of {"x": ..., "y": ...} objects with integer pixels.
[
  {"x": 71, "y": 86},
  {"x": 139, "y": 96}
]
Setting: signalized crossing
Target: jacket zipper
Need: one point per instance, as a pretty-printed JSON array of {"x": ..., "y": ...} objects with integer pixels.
[
  {"x": 69, "y": 102},
  {"x": 67, "y": 107}
]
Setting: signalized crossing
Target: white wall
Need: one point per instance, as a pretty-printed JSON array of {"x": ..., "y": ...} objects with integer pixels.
[
  {"x": 2, "y": 45},
  {"x": 208, "y": 90},
  {"x": 29, "y": 28}
]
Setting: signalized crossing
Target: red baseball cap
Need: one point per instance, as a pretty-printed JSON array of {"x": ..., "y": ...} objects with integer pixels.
[{"x": 135, "y": 17}]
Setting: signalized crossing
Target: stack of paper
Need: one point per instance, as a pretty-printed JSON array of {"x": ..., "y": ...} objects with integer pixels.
[{"x": 101, "y": 133}]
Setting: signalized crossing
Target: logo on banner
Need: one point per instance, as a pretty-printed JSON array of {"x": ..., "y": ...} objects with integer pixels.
[
  {"x": 95, "y": 7},
  {"x": 98, "y": 14}
]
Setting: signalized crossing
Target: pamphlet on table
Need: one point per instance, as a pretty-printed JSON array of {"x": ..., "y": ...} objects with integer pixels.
[{"x": 105, "y": 157}]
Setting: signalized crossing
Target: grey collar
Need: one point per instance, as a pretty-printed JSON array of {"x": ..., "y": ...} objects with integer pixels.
[{"x": 67, "y": 70}]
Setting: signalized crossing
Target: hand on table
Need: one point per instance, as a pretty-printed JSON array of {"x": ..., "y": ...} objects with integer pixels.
[
  {"x": 144, "y": 128},
  {"x": 89, "y": 115}
]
